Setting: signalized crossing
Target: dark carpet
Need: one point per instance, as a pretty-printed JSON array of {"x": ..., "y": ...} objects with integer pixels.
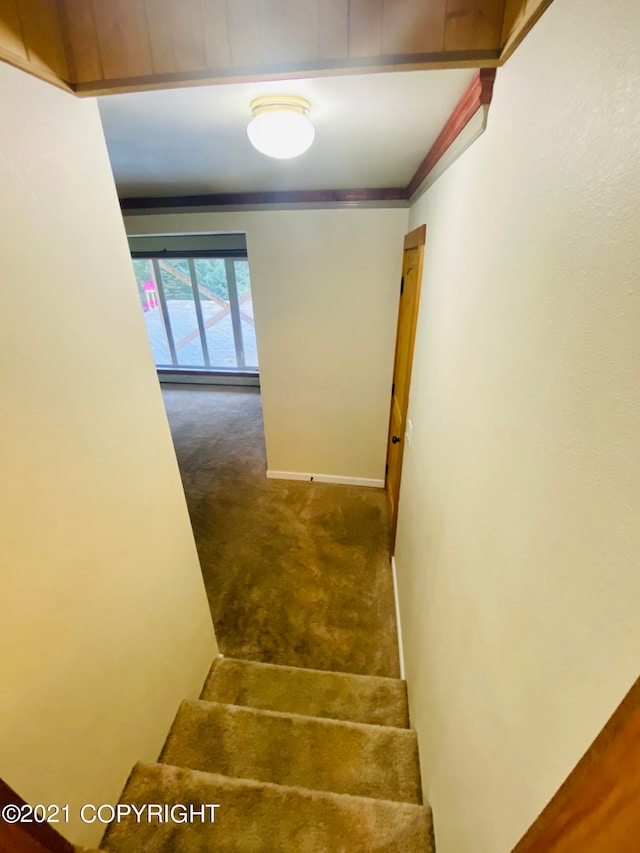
[{"x": 296, "y": 573}]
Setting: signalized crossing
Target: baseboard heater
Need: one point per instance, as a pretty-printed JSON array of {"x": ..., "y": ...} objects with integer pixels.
[{"x": 208, "y": 377}]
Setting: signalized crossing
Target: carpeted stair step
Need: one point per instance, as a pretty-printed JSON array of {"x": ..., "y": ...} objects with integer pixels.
[
  {"x": 291, "y": 749},
  {"x": 312, "y": 692},
  {"x": 258, "y": 817}
]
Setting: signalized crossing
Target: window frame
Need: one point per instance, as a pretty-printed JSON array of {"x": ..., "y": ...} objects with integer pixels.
[{"x": 174, "y": 371}]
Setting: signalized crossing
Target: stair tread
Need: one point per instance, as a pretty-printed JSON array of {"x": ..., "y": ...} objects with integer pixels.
[
  {"x": 292, "y": 749},
  {"x": 262, "y": 817},
  {"x": 317, "y": 693}
]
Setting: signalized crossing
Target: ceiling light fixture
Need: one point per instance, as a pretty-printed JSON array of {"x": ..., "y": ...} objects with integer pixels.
[{"x": 280, "y": 126}]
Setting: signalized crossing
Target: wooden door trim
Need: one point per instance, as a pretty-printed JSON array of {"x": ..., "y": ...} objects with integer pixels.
[
  {"x": 598, "y": 806},
  {"x": 415, "y": 238},
  {"x": 27, "y": 837}
]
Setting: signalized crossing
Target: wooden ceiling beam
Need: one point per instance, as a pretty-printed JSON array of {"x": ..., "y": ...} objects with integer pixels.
[
  {"x": 519, "y": 17},
  {"x": 31, "y": 39}
]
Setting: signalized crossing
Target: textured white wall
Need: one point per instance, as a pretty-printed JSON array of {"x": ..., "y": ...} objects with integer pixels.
[
  {"x": 518, "y": 546},
  {"x": 325, "y": 290},
  {"x": 103, "y": 611}
]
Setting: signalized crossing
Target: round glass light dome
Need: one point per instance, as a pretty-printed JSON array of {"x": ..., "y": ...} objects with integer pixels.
[{"x": 280, "y": 126}]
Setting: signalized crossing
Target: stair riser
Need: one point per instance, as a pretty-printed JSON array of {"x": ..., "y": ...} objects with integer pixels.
[{"x": 359, "y": 699}]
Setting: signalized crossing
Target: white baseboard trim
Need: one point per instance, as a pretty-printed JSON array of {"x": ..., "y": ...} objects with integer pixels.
[
  {"x": 325, "y": 478},
  {"x": 398, "y": 622}
]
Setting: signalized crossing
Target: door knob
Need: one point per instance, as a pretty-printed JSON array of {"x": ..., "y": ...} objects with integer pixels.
[{"x": 395, "y": 439}]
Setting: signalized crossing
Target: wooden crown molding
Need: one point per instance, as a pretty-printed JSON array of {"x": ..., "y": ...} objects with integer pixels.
[
  {"x": 477, "y": 95},
  {"x": 254, "y": 199}
]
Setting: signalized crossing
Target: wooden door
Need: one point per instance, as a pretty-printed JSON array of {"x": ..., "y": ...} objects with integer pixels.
[{"x": 405, "y": 339}]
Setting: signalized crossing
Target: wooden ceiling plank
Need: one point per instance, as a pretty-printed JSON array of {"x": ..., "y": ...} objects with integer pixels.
[
  {"x": 243, "y": 25},
  {"x": 123, "y": 38},
  {"x": 412, "y": 26},
  {"x": 473, "y": 24},
  {"x": 81, "y": 41},
  {"x": 176, "y": 35},
  {"x": 289, "y": 31},
  {"x": 216, "y": 38},
  {"x": 43, "y": 35},
  {"x": 365, "y": 28},
  {"x": 334, "y": 29},
  {"x": 11, "y": 38}
]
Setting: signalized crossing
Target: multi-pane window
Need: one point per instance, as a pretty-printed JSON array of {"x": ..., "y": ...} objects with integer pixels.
[{"x": 198, "y": 310}]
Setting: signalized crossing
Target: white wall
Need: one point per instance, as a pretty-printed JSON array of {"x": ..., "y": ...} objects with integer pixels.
[
  {"x": 325, "y": 288},
  {"x": 518, "y": 547},
  {"x": 104, "y": 615}
]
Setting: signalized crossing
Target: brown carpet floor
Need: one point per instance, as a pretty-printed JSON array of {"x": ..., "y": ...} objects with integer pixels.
[{"x": 296, "y": 573}]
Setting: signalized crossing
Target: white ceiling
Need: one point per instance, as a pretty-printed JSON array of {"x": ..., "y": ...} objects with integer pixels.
[{"x": 371, "y": 131}]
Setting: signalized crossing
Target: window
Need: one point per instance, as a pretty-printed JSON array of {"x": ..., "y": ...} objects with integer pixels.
[{"x": 197, "y": 304}]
